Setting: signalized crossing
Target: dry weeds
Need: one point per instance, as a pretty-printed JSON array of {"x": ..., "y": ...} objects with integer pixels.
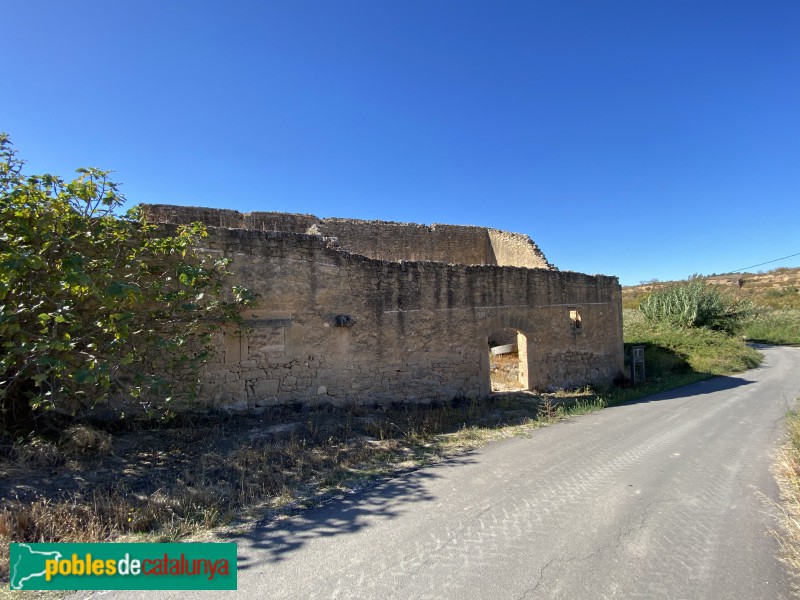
[
  {"x": 170, "y": 483},
  {"x": 787, "y": 470}
]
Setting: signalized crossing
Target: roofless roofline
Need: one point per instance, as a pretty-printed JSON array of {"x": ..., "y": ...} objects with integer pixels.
[{"x": 384, "y": 240}]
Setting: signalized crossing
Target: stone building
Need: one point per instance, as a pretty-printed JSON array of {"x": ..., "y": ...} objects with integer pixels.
[{"x": 373, "y": 311}]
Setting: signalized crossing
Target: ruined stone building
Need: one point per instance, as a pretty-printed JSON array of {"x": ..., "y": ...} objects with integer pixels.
[{"x": 373, "y": 311}]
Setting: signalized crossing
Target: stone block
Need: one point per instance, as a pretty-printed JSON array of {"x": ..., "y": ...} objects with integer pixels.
[
  {"x": 253, "y": 374},
  {"x": 265, "y": 387}
]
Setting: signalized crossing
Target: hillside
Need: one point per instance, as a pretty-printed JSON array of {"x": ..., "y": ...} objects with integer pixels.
[
  {"x": 776, "y": 289},
  {"x": 775, "y": 295}
]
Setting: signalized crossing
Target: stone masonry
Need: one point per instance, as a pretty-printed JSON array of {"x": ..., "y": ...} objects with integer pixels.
[{"x": 368, "y": 311}]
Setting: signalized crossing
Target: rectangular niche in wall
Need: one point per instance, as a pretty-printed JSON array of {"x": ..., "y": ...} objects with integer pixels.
[{"x": 267, "y": 332}]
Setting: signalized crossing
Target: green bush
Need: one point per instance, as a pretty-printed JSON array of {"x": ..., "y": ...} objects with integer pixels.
[
  {"x": 93, "y": 304},
  {"x": 696, "y": 304}
]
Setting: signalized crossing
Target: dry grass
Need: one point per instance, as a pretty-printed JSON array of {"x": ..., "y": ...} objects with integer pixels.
[
  {"x": 779, "y": 326},
  {"x": 170, "y": 483},
  {"x": 787, "y": 472},
  {"x": 81, "y": 439}
]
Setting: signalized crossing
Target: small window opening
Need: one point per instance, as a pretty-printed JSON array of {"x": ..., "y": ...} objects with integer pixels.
[{"x": 575, "y": 317}]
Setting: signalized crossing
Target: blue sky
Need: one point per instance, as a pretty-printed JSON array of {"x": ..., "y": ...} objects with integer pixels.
[{"x": 643, "y": 139}]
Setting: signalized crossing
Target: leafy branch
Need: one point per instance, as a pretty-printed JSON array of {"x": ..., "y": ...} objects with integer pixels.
[{"x": 95, "y": 305}]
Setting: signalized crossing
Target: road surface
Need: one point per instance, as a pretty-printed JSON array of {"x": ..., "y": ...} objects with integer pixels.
[{"x": 664, "y": 498}]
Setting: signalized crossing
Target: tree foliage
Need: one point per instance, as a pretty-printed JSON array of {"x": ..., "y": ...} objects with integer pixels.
[
  {"x": 95, "y": 305},
  {"x": 695, "y": 304}
]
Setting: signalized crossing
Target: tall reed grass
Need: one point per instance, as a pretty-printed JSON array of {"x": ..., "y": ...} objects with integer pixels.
[{"x": 696, "y": 304}]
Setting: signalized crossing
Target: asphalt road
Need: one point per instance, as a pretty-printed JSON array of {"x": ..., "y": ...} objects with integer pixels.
[{"x": 664, "y": 498}]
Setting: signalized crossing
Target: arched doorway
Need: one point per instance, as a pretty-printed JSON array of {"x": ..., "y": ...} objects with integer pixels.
[{"x": 508, "y": 360}]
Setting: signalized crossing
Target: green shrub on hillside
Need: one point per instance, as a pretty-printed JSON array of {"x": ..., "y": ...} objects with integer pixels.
[{"x": 695, "y": 304}]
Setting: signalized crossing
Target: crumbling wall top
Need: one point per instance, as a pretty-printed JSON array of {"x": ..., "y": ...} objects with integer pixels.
[{"x": 384, "y": 240}]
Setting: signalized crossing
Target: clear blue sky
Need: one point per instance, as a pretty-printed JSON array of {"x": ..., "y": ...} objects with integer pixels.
[{"x": 643, "y": 139}]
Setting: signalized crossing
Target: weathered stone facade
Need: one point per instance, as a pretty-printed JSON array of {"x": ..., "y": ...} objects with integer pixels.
[{"x": 365, "y": 311}]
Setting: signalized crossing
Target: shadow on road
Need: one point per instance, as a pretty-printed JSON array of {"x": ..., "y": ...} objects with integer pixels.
[
  {"x": 707, "y": 386},
  {"x": 277, "y": 539}
]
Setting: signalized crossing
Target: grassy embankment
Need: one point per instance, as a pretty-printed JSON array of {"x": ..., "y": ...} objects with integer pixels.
[
  {"x": 676, "y": 356},
  {"x": 777, "y": 296},
  {"x": 178, "y": 481},
  {"x": 787, "y": 473}
]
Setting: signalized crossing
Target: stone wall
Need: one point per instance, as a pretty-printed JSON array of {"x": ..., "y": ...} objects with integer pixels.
[
  {"x": 382, "y": 240},
  {"x": 409, "y": 241},
  {"x": 334, "y": 326},
  {"x": 508, "y": 249}
]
